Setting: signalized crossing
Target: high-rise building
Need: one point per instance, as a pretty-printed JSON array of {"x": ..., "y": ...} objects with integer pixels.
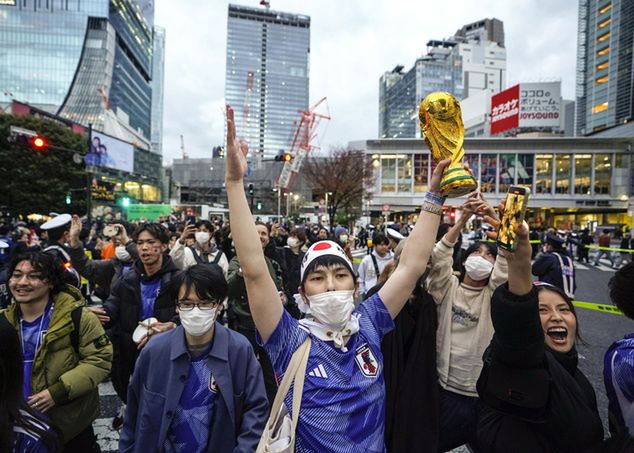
[
  {"x": 605, "y": 82},
  {"x": 267, "y": 75},
  {"x": 158, "y": 82},
  {"x": 88, "y": 61},
  {"x": 464, "y": 65}
]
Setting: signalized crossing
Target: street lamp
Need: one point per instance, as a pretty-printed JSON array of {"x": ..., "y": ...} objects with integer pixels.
[{"x": 328, "y": 211}]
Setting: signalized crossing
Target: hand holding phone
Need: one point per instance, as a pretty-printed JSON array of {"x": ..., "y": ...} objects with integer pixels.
[{"x": 512, "y": 217}]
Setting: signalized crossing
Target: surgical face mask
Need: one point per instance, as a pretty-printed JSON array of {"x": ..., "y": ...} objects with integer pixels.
[
  {"x": 332, "y": 308},
  {"x": 122, "y": 254},
  {"x": 478, "y": 268},
  {"x": 292, "y": 242},
  {"x": 343, "y": 238},
  {"x": 197, "y": 322},
  {"x": 202, "y": 237}
]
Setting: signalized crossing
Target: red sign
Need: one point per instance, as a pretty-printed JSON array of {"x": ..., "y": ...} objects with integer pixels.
[{"x": 505, "y": 110}]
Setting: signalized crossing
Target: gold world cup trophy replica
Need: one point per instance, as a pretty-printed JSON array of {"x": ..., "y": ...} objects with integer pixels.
[{"x": 441, "y": 122}]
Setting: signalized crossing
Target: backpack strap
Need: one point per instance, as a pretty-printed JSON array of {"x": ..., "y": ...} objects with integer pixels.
[
  {"x": 217, "y": 257},
  {"x": 75, "y": 316},
  {"x": 376, "y": 265},
  {"x": 197, "y": 257}
]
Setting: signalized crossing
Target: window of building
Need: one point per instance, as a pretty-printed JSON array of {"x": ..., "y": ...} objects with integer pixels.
[
  {"x": 600, "y": 107},
  {"x": 603, "y": 37},
  {"x": 563, "y": 173},
  {"x": 544, "y": 179},
  {"x": 602, "y": 173},
  {"x": 421, "y": 172},
  {"x": 404, "y": 173},
  {"x": 601, "y": 80},
  {"x": 603, "y": 65},
  {"x": 583, "y": 173},
  {"x": 473, "y": 160},
  {"x": 525, "y": 164},
  {"x": 604, "y": 23},
  {"x": 388, "y": 173},
  {"x": 606, "y": 8},
  {"x": 507, "y": 172},
  {"x": 603, "y": 51},
  {"x": 488, "y": 172}
]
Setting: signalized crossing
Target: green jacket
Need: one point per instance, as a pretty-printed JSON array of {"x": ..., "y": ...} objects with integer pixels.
[
  {"x": 72, "y": 380},
  {"x": 237, "y": 291}
]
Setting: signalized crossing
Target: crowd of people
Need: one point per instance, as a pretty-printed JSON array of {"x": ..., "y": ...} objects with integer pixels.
[{"x": 237, "y": 335}]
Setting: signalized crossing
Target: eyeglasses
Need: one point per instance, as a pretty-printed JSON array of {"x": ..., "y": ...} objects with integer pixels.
[
  {"x": 187, "y": 305},
  {"x": 30, "y": 276}
]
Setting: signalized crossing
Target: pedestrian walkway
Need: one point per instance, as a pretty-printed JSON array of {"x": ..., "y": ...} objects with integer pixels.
[{"x": 110, "y": 403}]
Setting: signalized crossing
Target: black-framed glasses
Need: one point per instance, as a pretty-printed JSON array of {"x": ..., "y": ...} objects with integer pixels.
[{"x": 187, "y": 305}]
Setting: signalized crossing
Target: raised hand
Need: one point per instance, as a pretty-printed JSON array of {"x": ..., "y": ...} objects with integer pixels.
[
  {"x": 75, "y": 230},
  {"x": 436, "y": 177},
  {"x": 236, "y": 160}
]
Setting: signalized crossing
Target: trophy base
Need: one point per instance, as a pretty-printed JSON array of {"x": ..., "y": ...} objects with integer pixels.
[{"x": 456, "y": 181}]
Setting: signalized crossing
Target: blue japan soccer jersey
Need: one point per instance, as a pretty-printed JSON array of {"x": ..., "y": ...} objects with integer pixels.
[{"x": 343, "y": 404}]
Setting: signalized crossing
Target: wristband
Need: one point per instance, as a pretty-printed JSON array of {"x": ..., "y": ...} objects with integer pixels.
[
  {"x": 434, "y": 198},
  {"x": 431, "y": 207}
]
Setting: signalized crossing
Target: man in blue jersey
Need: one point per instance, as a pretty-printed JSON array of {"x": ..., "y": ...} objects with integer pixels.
[
  {"x": 344, "y": 393},
  {"x": 618, "y": 371},
  {"x": 197, "y": 388}
]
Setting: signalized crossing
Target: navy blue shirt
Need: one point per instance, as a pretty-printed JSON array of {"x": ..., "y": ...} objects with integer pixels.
[{"x": 149, "y": 293}]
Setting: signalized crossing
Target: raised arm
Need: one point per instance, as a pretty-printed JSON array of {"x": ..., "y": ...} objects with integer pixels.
[
  {"x": 264, "y": 302},
  {"x": 416, "y": 252}
]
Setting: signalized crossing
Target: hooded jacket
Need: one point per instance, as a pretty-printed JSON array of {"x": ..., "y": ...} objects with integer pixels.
[
  {"x": 71, "y": 379},
  {"x": 124, "y": 308}
]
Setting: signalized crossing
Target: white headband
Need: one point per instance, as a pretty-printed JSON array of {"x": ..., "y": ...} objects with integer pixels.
[{"x": 323, "y": 248}]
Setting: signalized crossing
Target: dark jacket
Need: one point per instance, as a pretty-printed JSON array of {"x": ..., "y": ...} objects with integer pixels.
[
  {"x": 124, "y": 308},
  {"x": 533, "y": 398},
  {"x": 104, "y": 273},
  {"x": 241, "y": 407},
  {"x": 547, "y": 268}
]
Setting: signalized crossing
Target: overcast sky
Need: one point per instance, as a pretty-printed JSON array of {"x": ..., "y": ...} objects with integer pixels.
[{"x": 352, "y": 43}]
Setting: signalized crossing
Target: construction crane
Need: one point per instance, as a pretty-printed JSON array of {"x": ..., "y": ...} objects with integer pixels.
[
  {"x": 183, "y": 152},
  {"x": 302, "y": 142}
]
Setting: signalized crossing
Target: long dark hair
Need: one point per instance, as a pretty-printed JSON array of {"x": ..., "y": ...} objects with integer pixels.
[{"x": 13, "y": 409}]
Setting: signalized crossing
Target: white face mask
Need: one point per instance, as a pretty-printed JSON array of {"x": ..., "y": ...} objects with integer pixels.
[
  {"x": 292, "y": 242},
  {"x": 122, "y": 254},
  {"x": 197, "y": 322},
  {"x": 332, "y": 308},
  {"x": 343, "y": 239},
  {"x": 202, "y": 237},
  {"x": 478, "y": 268}
]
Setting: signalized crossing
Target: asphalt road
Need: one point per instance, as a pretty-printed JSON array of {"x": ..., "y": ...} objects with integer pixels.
[{"x": 598, "y": 329}]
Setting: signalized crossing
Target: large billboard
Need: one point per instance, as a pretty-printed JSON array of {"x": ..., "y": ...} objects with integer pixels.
[
  {"x": 527, "y": 105},
  {"x": 540, "y": 104},
  {"x": 505, "y": 110},
  {"x": 109, "y": 152}
]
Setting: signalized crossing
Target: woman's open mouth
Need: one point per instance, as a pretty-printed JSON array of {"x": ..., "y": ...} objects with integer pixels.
[{"x": 558, "y": 335}]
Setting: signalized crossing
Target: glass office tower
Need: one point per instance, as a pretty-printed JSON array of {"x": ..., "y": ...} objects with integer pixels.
[
  {"x": 266, "y": 78},
  {"x": 158, "y": 85},
  {"x": 605, "y": 86}
]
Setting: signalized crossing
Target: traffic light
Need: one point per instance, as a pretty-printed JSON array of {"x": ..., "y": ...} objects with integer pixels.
[
  {"x": 68, "y": 199},
  {"x": 125, "y": 201},
  {"x": 283, "y": 157},
  {"x": 38, "y": 143},
  {"x": 251, "y": 190},
  {"x": 259, "y": 205}
]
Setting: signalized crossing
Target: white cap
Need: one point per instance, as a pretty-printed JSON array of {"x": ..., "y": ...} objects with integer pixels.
[
  {"x": 53, "y": 214},
  {"x": 322, "y": 248},
  {"x": 3, "y": 244},
  {"x": 56, "y": 222},
  {"x": 392, "y": 233}
]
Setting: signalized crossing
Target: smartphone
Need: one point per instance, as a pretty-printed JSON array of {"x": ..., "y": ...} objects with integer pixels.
[
  {"x": 110, "y": 231},
  {"x": 513, "y": 215},
  {"x": 191, "y": 220}
]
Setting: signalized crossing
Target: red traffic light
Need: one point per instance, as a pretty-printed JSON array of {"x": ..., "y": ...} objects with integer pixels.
[
  {"x": 39, "y": 143},
  {"x": 287, "y": 157}
]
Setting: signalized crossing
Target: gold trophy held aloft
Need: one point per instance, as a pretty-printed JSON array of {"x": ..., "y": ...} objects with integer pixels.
[{"x": 441, "y": 122}]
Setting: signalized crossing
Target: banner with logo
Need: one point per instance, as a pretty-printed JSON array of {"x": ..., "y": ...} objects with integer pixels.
[
  {"x": 102, "y": 191},
  {"x": 505, "y": 110},
  {"x": 540, "y": 104}
]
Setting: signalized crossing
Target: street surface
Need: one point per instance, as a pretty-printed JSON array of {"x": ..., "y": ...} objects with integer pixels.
[{"x": 598, "y": 330}]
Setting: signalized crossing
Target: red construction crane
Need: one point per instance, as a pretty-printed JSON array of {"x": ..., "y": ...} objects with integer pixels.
[{"x": 302, "y": 142}]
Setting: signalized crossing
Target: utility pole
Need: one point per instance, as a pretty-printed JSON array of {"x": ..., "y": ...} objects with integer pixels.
[{"x": 88, "y": 179}]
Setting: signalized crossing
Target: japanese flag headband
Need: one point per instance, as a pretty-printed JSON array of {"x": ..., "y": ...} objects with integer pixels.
[{"x": 323, "y": 248}]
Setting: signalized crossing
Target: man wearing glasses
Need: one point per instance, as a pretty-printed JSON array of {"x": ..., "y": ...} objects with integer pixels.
[{"x": 197, "y": 388}]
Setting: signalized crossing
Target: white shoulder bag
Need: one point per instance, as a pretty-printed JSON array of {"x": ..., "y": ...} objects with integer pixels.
[{"x": 279, "y": 432}]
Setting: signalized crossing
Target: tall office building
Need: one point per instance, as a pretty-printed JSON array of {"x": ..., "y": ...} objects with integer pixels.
[
  {"x": 605, "y": 82},
  {"x": 267, "y": 75},
  {"x": 88, "y": 61},
  {"x": 464, "y": 65},
  {"x": 158, "y": 85}
]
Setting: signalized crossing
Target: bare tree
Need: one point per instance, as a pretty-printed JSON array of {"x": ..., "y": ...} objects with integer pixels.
[{"x": 344, "y": 174}]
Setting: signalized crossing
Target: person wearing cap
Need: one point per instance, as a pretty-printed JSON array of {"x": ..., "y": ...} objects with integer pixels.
[
  {"x": 534, "y": 398},
  {"x": 65, "y": 349},
  {"x": 618, "y": 363},
  {"x": 58, "y": 229},
  {"x": 394, "y": 236},
  {"x": 555, "y": 265},
  {"x": 198, "y": 387},
  {"x": 373, "y": 264},
  {"x": 343, "y": 401}
]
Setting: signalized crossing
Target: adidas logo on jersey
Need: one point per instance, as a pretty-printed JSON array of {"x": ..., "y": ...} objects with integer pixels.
[{"x": 319, "y": 371}]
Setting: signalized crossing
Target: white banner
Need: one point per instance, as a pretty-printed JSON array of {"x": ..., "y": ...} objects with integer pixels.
[{"x": 540, "y": 104}]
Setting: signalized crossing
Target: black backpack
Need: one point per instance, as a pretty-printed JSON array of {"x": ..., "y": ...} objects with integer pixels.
[{"x": 199, "y": 259}]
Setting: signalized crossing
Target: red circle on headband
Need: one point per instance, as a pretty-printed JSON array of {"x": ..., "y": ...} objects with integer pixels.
[{"x": 322, "y": 246}]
